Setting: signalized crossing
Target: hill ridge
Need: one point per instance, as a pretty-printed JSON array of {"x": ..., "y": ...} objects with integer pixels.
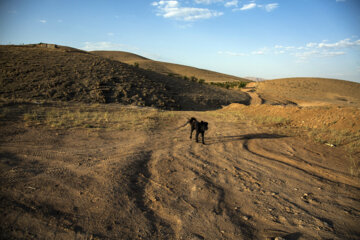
[{"x": 169, "y": 68}]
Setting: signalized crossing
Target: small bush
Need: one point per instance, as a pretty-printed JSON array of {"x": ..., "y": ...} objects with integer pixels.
[
  {"x": 193, "y": 79},
  {"x": 228, "y": 85}
]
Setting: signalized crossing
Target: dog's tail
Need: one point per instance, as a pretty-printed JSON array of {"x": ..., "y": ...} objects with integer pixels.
[{"x": 189, "y": 121}]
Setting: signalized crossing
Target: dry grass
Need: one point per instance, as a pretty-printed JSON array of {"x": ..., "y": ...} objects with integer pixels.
[
  {"x": 96, "y": 116},
  {"x": 331, "y": 126},
  {"x": 119, "y": 117}
]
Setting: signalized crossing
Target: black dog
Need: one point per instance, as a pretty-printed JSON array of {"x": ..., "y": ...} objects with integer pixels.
[{"x": 200, "y": 127}]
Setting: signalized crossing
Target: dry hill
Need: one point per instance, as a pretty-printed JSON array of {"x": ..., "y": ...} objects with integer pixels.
[
  {"x": 51, "y": 72},
  {"x": 309, "y": 91},
  {"x": 169, "y": 68}
]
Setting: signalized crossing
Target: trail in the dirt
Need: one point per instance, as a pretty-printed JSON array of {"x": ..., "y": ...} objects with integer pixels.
[
  {"x": 245, "y": 183},
  {"x": 248, "y": 184},
  {"x": 250, "y": 89}
]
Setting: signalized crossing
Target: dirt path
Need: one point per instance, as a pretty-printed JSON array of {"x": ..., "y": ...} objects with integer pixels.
[
  {"x": 250, "y": 89},
  {"x": 245, "y": 183},
  {"x": 248, "y": 184}
]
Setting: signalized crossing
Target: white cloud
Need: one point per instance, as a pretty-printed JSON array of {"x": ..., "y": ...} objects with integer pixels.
[
  {"x": 173, "y": 10},
  {"x": 345, "y": 43},
  {"x": 317, "y": 53},
  {"x": 279, "y": 52},
  {"x": 261, "y": 51},
  {"x": 110, "y": 34},
  {"x": 43, "y": 21},
  {"x": 270, "y": 7},
  {"x": 340, "y": 44},
  {"x": 305, "y": 55},
  {"x": 207, "y": 1},
  {"x": 308, "y": 51},
  {"x": 311, "y": 44},
  {"x": 233, "y": 3},
  {"x": 332, "y": 54},
  {"x": 93, "y": 46},
  {"x": 232, "y": 53},
  {"x": 340, "y": 0},
  {"x": 247, "y": 6}
]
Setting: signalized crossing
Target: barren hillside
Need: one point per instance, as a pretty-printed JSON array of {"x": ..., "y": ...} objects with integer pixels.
[
  {"x": 309, "y": 91},
  {"x": 50, "y": 72},
  {"x": 169, "y": 68}
]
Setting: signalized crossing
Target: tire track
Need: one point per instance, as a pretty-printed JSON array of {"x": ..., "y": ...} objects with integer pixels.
[{"x": 234, "y": 188}]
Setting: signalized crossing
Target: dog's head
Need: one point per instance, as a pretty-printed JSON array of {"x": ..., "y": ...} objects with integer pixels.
[
  {"x": 191, "y": 120},
  {"x": 204, "y": 125}
]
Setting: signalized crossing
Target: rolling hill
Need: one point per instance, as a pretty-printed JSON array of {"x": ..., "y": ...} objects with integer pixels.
[
  {"x": 169, "y": 68},
  {"x": 309, "y": 91},
  {"x": 51, "y": 72}
]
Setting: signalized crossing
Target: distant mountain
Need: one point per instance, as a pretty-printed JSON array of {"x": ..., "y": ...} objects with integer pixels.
[{"x": 255, "y": 79}]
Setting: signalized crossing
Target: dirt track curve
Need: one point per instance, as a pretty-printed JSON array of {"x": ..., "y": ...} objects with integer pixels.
[
  {"x": 245, "y": 183},
  {"x": 250, "y": 89}
]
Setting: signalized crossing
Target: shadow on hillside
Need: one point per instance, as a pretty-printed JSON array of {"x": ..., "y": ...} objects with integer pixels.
[
  {"x": 224, "y": 139},
  {"x": 193, "y": 96}
]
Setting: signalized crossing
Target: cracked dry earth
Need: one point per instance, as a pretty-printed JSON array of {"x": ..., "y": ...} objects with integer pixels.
[{"x": 245, "y": 183}]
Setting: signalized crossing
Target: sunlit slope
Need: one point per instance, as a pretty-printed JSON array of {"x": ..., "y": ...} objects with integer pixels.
[
  {"x": 309, "y": 91},
  {"x": 169, "y": 68}
]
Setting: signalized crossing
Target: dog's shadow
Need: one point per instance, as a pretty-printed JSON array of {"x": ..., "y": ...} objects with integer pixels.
[{"x": 224, "y": 139}]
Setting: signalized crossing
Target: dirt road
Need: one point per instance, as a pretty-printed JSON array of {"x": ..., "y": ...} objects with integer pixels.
[
  {"x": 245, "y": 183},
  {"x": 251, "y": 90}
]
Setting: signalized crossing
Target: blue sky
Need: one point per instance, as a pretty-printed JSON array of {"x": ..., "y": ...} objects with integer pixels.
[{"x": 262, "y": 38}]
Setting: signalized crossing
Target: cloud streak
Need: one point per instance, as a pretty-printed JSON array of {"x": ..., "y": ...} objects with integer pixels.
[
  {"x": 93, "y": 46},
  {"x": 233, "y": 3},
  {"x": 302, "y": 53},
  {"x": 173, "y": 10},
  {"x": 207, "y": 1},
  {"x": 247, "y": 6},
  {"x": 271, "y": 7},
  {"x": 252, "y": 5}
]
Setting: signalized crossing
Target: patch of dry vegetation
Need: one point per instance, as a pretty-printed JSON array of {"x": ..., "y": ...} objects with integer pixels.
[
  {"x": 94, "y": 116},
  {"x": 333, "y": 126}
]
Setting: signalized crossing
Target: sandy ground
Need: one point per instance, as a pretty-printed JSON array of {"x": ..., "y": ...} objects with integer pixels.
[
  {"x": 245, "y": 183},
  {"x": 309, "y": 92}
]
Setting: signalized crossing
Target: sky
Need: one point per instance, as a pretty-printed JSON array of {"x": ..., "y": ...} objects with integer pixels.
[{"x": 258, "y": 38}]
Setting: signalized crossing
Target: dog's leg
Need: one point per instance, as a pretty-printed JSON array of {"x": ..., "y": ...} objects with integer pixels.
[
  {"x": 191, "y": 131},
  {"x": 197, "y": 136},
  {"x": 202, "y": 135}
]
